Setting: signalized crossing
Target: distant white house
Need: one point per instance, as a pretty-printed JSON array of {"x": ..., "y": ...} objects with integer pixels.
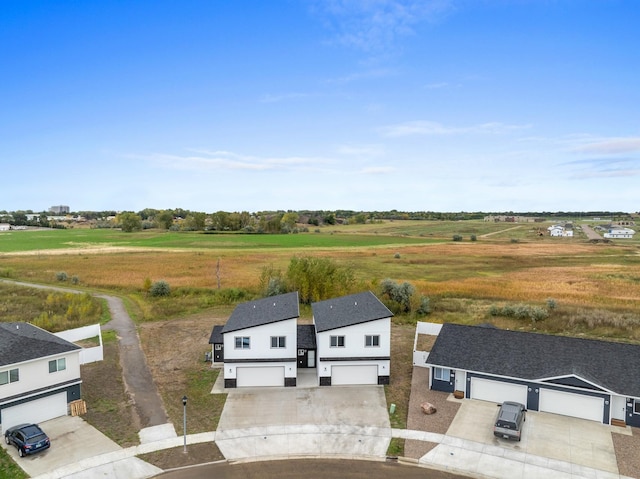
[
  {"x": 5, "y": 226},
  {"x": 614, "y": 232},
  {"x": 560, "y": 230}
]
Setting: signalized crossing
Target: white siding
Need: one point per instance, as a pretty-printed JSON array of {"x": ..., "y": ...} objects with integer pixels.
[
  {"x": 354, "y": 340},
  {"x": 35, "y": 374},
  {"x": 261, "y": 341},
  {"x": 260, "y": 376},
  {"x": 359, "y": 374}
]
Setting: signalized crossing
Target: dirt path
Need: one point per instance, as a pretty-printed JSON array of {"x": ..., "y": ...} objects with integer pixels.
[
  {"x": 501, "y": 231},
  {"x": 137, "y": 377}
]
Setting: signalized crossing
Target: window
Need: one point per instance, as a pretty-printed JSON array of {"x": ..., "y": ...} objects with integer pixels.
[
  {"x": 441, "y": 374},
  {"x": 636, "y": 406},
  {"x": 278, "y": 342},
  {"x": 372, "y": 340},
  {"x": 10, "y": 376},
  {"x": 57, "y": 365},
  {"x": 243, "y": 342},
  {"x": 337, "y": 341}
]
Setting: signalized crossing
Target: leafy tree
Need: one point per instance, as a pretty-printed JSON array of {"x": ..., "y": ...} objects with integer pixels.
[
  {"x": 290, "y": 219},
  {"x": 129, "y": 222},
  {"x": 400, "y": 294},
  {"x": 330, "y": 219},
  {"x": 164, "y": 219},
  {"x": 195, "y": 221},
  {"x": 317, "y": 279}
]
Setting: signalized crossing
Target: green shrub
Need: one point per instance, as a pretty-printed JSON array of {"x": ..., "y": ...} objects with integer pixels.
[
  {"x": 551, "y": 303},
  {"x": 474, "y": 238},
  {"x": 159, "y": 289},
  {"x": 75, "y": 279},
  {"x": 457, "y": 237},
  {"x": 425, "y": 306},
  {"x": 61, "y": 276}
]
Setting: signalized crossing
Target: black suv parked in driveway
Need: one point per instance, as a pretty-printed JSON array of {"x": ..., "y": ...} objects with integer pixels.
[
  {"x": 509, "y": 420},
  {"x": 28, "y": 438}
]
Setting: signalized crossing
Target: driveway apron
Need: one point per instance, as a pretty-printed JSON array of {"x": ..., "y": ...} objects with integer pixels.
[{"x": 135, "y": 371}]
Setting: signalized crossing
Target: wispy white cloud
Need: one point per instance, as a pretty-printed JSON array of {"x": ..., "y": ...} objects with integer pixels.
[
  {"x": 611, "y": 146},
  {"x": 377, "y": 170},
  {"x": 205, "y": 160},
  {"x": 436, "y": 86},
  {"x": 370, "y": 25},
  {"x": 360, "y": 150},
  {"x": 432, "y": 128},
  {"x": 272, "y": 98},
  {"x": 604, "y": 168}
]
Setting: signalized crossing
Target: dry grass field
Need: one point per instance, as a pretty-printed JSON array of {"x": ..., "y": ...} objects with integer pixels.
[{"x": 595, "y": 287}]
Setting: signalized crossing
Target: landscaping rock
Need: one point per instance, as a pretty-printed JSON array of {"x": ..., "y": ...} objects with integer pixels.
[{"x": 428, "y": 408}]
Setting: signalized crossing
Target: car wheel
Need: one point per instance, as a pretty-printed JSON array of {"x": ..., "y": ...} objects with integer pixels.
[
  {"x": 6, "y": 439},
  {"x": 20, "y": 452}
]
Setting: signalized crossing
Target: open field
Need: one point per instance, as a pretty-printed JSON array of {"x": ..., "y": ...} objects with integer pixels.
[{"x": 596, "y": 288}]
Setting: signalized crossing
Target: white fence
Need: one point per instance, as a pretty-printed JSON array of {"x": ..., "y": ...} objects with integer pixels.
[
  {"x": 87, "y": 355},
  {"x": 420, "y": 357}
]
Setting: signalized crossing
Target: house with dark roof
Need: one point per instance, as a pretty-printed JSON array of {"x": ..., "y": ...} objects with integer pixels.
[
  {"x": 260, "y": 342},
  {"x": 353, "y": 335},
  {"x": 584, "y": 378},
  {"x": 39, "y": 374}
]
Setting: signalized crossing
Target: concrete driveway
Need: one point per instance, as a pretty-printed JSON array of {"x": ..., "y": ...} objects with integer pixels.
[
  {"x": 283, "y": 422},
  {"x": 552, "y": 436},
  {"x": 72, "y": 440}
]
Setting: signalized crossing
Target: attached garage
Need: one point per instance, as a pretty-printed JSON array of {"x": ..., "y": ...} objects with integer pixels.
[
  {"x": 570, "y": 404},
  {"x": 260, "y": 376},
  {"x": 36, "y": 411},
  {"x": 354, "y": 375},
  {"x": 497, "y": 391}
]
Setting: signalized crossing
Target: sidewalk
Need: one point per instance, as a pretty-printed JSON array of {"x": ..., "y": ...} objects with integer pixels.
[{"x": 347, "y": 442}]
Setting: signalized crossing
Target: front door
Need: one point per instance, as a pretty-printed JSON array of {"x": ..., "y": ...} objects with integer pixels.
[
  {"x": 311, "y": 358},
  {"x": 618, "y": 408}
]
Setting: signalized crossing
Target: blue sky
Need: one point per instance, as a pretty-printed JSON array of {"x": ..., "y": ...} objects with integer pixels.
[{"x": 442, "y": 105}]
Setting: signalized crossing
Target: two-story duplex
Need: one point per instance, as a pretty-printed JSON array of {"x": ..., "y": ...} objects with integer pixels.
[
  {"x": 259, "y": 342},
  {"x": 39, "y": 374},
  {"x": 353, "y": 335}
]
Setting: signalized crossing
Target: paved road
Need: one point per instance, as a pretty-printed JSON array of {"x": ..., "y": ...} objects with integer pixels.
[
  {"x": 309, "y": 469},
  {"x": 135, "y": 371}
]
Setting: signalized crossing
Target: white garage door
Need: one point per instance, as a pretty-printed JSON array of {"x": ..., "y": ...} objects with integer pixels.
[
  {"x": 38, "y": 410},
  {"x": 574, "y": 405},
  {"x": 260, "y": 376},
  {"x": 497, "y": 391},
  {"x": 343, "y": 375}
]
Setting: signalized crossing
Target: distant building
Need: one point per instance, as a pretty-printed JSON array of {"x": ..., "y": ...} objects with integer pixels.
[
  {"x": 561, "y": 230},
  {"x": 616, "y": 232},
  {"x": 59, "y": 210}
]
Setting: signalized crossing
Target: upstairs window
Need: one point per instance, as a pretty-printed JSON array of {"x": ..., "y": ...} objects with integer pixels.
[
  {"x": 243, "y": 342},
  {"x": 337, "y": 341},
  {"x": 636, "y": 406},
  {"x": 10, "y": 376},
  {"x": 57, "y": 365},
  {"x": 372, "y": 340},
  {"x": 278, "y": 342}
]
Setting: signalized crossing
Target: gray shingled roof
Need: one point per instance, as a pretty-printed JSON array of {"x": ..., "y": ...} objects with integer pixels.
[
  {"x": 534, "y": 356},
  {"x": 216, "y": 335},
  {"x": 263, "y": 311},
  {"x": 348, "y": 310},
  {"x": 24, "y": 342},
  {"x": 306, "y": 336}
]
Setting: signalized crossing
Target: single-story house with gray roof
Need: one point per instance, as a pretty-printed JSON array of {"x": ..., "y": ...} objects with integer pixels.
[
  {"x": 584, "y": 378},
  {"x": 39, "y": 374},
  {"x": 353, "y": 335},
  {"x": 260, "y": 342}
]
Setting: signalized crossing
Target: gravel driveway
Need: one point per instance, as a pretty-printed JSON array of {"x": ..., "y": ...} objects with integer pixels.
[{"x": 417, "y": 420}]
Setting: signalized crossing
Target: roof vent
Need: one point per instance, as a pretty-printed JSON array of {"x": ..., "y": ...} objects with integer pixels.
[
  {"x": 274, "y": 304},
  {"x": 356, "y": 303}
]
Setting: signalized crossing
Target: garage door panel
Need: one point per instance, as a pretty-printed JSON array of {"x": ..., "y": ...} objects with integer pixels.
[
  {"x": 354, "y": 375},
  {"x": 36, "y": 411},
  {"x": 260, "y": 376},
  {"x": 571, "y": 404},
  {"x": 498, "y": 391}
]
